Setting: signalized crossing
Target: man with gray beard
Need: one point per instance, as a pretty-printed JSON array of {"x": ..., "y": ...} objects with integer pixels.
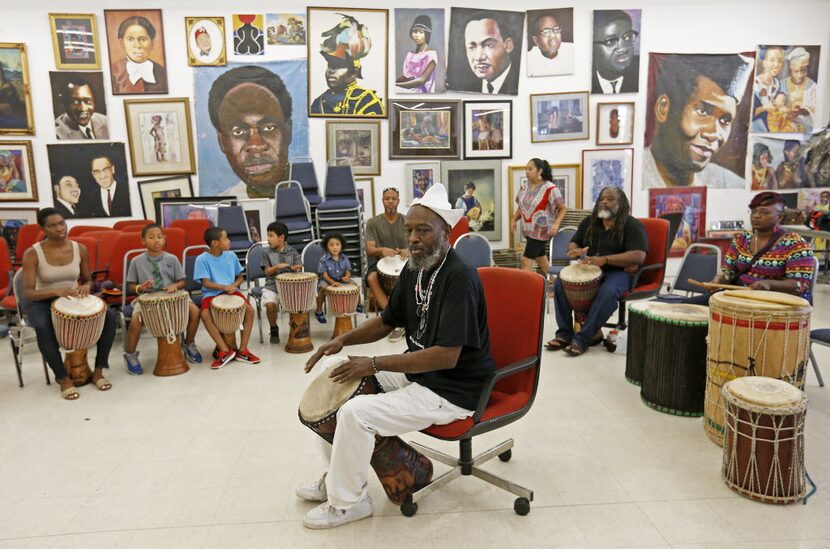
[
  {"x": 439, "y": 301},
  {"x": 616, "y": 242}
]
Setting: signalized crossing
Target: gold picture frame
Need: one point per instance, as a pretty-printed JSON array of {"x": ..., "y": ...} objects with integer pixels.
[
  {"x": 335, "y": 145},
  {"x": 75, "y": 41},
  {"x": 13, "y": 108},
  {"x": 160, "y": 136},
  {"x": 623, "y": 113},
  {"x": 22, "y": 187},
  {"x": 214, "y": 27}
]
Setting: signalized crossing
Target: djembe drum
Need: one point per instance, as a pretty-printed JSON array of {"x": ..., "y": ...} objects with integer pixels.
[
  {"x": 401, "y": 469},
  {"x": 763, "y": 450},
  {"x": 753, "y": 333},
  {"x": 78, "y": 323},
  {"x": 297, "y": 293},
  {"x": 389, "y": 270},
  {"x": 228, "y": 312},
  {"x": 674, "y": 368},
  {"x": 637, "y": 341},
  {"x": 342, "y": 302},
  {"x": 165, "y": 314},
  {"x": 580, "y": 283}
]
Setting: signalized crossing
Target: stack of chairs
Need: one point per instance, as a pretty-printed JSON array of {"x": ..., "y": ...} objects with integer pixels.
[
  {"x": 341, "y": 212},
  {"x": 302, "y": 170},
  {"x": 232, "y": 219},
  {"x": 293, "y": 208}
]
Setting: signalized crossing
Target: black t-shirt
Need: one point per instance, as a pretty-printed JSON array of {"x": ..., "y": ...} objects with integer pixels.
[
  {"x": 457, "y": 315},
  {"x": 603, "y": 242}
]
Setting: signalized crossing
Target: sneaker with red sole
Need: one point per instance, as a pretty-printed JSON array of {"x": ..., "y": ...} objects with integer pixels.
[
  {"x": 244, "y": 355},
  {"x": 222, "y": 359}
]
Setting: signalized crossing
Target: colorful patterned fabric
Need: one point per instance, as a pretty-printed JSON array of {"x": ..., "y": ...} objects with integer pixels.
[
  {"x": 538, "y": 208},
  {"x": 790, "y": 259}
]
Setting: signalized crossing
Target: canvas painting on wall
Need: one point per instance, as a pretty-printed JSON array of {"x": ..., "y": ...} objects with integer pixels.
[
  {"x": 475, "y": 187},
  {"x": 691, "y": 202},
  {"x": 16, "y": 115},
  {"x": 79, "y": 104},
  {"x": 135, "y": 41},
  {"x": 285, "y": 29},
  {"x": 616, "y": 53},
  {"x": 785, "y": 92},
  {"x": 550, "y": 42},
  {"x": 420, "y": 59},
  {"x": 248, "y": 34}
]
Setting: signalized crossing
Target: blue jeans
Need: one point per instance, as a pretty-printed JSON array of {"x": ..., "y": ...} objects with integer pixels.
[
  {"x": 614, "y": 285},
  {"x": 40, "y": 318}
]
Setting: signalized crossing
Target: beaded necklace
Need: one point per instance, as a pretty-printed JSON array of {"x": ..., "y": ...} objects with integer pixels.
[{"x": 423, "y": 298}]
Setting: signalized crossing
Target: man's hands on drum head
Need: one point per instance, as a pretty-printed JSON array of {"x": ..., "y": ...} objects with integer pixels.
[
  {"x": 356, "y": 368},
  {"x": 576, "y": 253},
  {"x": 330, "y": 348},
  {"x": 404, "y": 252}
]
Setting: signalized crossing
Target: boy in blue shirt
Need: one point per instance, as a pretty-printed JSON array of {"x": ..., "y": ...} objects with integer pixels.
[
  {"x": 220, "y": 272},
  {"x": 334, "y": 269}
]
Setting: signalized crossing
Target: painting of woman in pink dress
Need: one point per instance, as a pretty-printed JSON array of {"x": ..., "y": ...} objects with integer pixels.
[{"x": 422, "y": 69}]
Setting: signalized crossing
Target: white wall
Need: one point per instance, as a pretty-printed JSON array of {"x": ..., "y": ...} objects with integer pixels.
[{"x": 673, "y": 26}]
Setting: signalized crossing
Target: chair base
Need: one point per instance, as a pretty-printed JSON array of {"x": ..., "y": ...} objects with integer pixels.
[
  {"x": 815, "y": 368},
  {"x": 467, "y": 465}
]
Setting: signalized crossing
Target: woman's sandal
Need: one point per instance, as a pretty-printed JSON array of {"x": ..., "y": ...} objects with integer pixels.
[
  {"x": 556, "y": 344},
  {"x": 575, "y": 349},
  {"x": 70, "y": 393},
  {"x": 103, "y": 384}
]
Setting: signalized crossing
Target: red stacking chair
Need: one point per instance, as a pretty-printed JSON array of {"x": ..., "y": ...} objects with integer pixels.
[
  {"x": 27, "y": 235},
  {"x": 6, "y": 273},
  {"x": 462, "y": 227},
  {"x": 132, "y": 229},
  {"x": 105, "y": 241},
  {"x": 175, "y": 239},
  {"x": 124, "y": 243},
  {"x": 80, "y": 230},
  {"x": 515, "y": 322},
  {"x": 91, "y": 246},
  {"x": 124, "y": 224},
  {"x": 194, "y": 230}
]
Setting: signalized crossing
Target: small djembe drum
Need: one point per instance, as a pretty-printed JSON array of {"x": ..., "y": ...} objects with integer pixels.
[
  {"x": 342, "y": 302},
  {"x": 401, "y": 469},
  {"x": 228, "y": 312},
  {"x": 763, "y": 449},
  {"x": 753, "y": 333},
  {"x": 580, "y": 283},
  {"x": 297, "y": 293},
  {"x": 389, "y": 270},
  {"x": 78, "y": 323},
  {"x": 165, "y": 314}
]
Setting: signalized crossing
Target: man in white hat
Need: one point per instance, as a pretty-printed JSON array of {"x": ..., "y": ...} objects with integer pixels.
[{"x": 439, "y": 301}]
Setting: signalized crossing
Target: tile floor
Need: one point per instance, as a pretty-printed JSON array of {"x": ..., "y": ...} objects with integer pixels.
[{"x": 210, "y": 459}]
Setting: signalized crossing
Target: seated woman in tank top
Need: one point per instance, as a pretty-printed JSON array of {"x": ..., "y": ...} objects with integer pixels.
[{"x": 57, "y": 267}]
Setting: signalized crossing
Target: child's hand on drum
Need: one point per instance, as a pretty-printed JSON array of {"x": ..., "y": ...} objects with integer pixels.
[
  {"x": 297, "y": 268},
  {"x": 330, "y": 348},
  {"x": 356, "y": 368},
  {"x": 147, "y": 285},
  {"x": 230, "y": 289},
  {"x": 172, "y": 288}
]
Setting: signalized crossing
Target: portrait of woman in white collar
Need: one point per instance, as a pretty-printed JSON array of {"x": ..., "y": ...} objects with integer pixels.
[{"x": 136, "y": 47}]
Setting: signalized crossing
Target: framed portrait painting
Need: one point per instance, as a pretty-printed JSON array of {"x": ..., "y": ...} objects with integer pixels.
[
  {"x": 550, "y": 42},
  {"x": 258, "y": 213},
  {"x": 178, "y": 186},
  {"x": 615, "y": 123},
  {"x": 357, "y": 143},
  {"x": 488, "y": 129},
  {"x": 420, "y": 59},
  {"x": 366, "y": 194},
  {"x": 17, "y": 172},
  {"x": 339, "y": 39},
  {"x": 205, "y": 41},
  {"x": 558, "y": 117},
  {"x": 475, "y": 187},
  {"x": 248, "y": 34},
  {"x": 419, "y": 178},
  {"x": 616, "y": 51},
  {"x": 689, "y": 201},
  {"x": 606, "y": 168},
  {"x": 75, "y": 41},
  {"x": 424, "y": 129},
  {"x": 160, "y": 136},
  {"x": 16, "y": 116},
  {"x": 197, "y": 207},
  {"x": 285, "y": 29},
  {"x": 137, "y": 37},
  {"x": 79, "y": 104}
]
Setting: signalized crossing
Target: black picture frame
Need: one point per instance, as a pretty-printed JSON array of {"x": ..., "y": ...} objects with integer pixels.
[
  {"x": 398, "y": 108},
  {"x": 506, "y": 105},
  {"x": 204, "y": 200}
]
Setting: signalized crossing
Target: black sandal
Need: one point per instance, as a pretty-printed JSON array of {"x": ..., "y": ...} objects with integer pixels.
[
  {"x": 597, "y": 340},
  {"x": 556, "y": 344},
  {"x": 575, "y": 349}
]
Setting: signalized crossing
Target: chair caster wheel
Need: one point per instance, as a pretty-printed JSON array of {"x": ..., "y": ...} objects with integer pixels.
[
  {"x": 505, "y": 456},
  {"x": 521, "y": 506},
  {"x": 409, "y": 508},
  {"x": 610, "y": 347}
]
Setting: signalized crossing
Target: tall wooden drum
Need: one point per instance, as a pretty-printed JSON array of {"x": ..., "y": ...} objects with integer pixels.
[
  {"x": 228, "y": 312},
  {"x": 753, "y": 333},
  {"x": 165, "y": 314},
  {"x": 342, "y": 302},
  {"x": 637, "y": 340},
  {"x": 580, "y": 283},
  {"x": 78, "y": 323},
  {"x": 297, "y": 293}
]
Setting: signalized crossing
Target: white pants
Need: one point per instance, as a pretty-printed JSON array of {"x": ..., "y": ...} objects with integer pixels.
[
  {"x": 270, "y": 296},
  {"x": 404, "y": 407}
]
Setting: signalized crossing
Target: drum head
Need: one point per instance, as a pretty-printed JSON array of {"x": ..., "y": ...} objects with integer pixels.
[
  {"x": 680, "y": 312},
  {"x": 296, "y": 277},
  {"x": 80, "y": 306},
  {"x": 765, "y": 391},
  {"x": 323, "y": 396},
  {"x": 579, "y": 273},
  {"x": 641, "y": 306},
  {"x": 162, "y": 295},
  {"x": 759, "y": 300},
  {"x": 392, "y": 265},
  {"x": 343, "y": 289},
  {"x": 227, "y": 301}
]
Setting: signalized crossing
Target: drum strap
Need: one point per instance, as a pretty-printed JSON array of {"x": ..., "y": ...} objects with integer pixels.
[{"x": 168, "y": 323}]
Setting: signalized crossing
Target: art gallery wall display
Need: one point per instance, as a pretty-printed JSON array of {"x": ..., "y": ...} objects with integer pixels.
[
  {"x": 689, "y": 201},
  {"x": 75, "y": 41},
  {"x": 559, "y": 117},
  {"x": 354, "y": 43},
  {"x": 160, "y": 136},
  {"x": 420, "y": 58},
  {"x": 79, "y": 104},
  {"x": 356, "y": 143},
  {"x": 424, "y": 129},
  {"x": 258, "y": 214},
  {"x": 785, "y": 90},
  {"x": 419, "y": 177},
  {"x": 135, "y": 41},
  {"x": 248, "y": 34},
  {"x": 17, "y": 172},
  {"x": 780, "y": 165},
  {"x": 811, "y": 199},
  {"x": 616, "y": 52},
  {"x": 11, "y": 219},
  {"x": 670, "y": 157},
  {"x": 606, "y": 168},
  {"x": 90, "y": 180},
  {"x": 475, "y": 187},
  {"x": 488, "y": 129},
  {"x": 179, "y": 186},
  {"x": 205, "y": 41},
  {"x": 485, "y": 51},
  {"x": 16, "y": 116},
  {"x": 615, "y": 123},
  {"x": 550, "y": 42},
  {"x": 285, "y": 29},
  {"x": 197, "y": 207},
  {"x": 365, "y": 187}
]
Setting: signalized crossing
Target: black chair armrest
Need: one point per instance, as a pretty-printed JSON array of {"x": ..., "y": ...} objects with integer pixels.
[
  {"x": 641, "y": 270},
  {"x": 95, "y": 274},
  {"x": 497, "y": 376}
]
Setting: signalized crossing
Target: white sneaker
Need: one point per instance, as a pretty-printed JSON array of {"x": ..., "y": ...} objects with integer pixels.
[
  {"x": 326, "y": 515},
  {"x": 396, "y": 335},
  {"x": 313, "y": 491}
]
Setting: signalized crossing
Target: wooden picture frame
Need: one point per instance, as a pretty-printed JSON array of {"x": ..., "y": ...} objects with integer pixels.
[
  {"x": 424, "y": 129},
  {"x": 347, "y": 141},
  {"x": 493, "y": 141},
  {"x": 606, "y": 167},
  {"x": 206, "y": 45},
  {"x": 419, "y": 177},
  {"x": 75, "y": 41},
  {"x": 486, "y": 175},
  {"x": 16, "y": 102},
  {"x": 179, "y": 186},
  {"x": 18, "y": 181},
  {"x": 160, "y": 136},
  {"x": 366, "y": 186},
  {"x": 147, "y": 29},
  {"x": 614, "y": 114},
  {"x": 691, "y": 202},
  {"x": 559, "y": 117}
]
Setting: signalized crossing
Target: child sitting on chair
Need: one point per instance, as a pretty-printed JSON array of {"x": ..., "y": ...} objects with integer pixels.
[
  {"x": 278, "y": 258},
  {"x": 154, "y": 271},
  {"x": 220, "y": 272},
  {"x": 334, "y": 269}
]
